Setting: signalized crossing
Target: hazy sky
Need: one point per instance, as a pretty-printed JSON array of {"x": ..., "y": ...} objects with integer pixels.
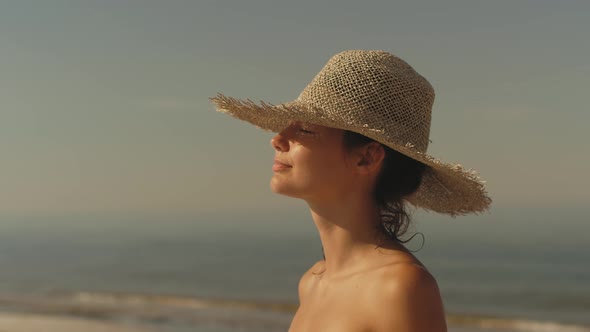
[{"x": 104, "y": 104}]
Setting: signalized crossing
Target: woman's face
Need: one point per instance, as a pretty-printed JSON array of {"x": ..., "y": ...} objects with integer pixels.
[{"x": 310, "y": 162}]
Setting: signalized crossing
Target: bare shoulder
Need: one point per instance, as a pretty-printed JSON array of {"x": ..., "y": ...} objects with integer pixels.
[
  {"x": 306, "y": 280},
  {"x": 406, "y": 297}
]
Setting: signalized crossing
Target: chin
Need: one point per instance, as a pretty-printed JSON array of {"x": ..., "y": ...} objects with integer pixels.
[{"x": 282, "y": 188}]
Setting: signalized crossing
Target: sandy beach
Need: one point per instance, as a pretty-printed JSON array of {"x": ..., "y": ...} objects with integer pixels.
[
  {"x": 34, "y": 322},
  {"x": 21, "y": 322},
  {"x": 27, "y": 322}
]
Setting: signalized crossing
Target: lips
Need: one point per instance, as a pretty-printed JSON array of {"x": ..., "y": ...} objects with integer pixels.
[{"x": 277, "y": 166}]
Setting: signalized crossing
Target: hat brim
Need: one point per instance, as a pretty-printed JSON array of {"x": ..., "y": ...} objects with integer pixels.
[{"x": 446, "y": 188}]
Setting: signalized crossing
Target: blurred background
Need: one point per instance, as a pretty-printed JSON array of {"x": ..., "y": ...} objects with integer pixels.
[{"x": 125, "y": 199}]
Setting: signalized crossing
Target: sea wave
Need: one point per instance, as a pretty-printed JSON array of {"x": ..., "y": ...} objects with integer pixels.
[{"x": 193, "y": 311}]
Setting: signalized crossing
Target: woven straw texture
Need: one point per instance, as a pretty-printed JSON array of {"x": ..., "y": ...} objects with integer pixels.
[{"x": 378, "y": 95}]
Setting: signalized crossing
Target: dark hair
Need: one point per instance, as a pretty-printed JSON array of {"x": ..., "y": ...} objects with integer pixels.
[{"x": 399, "y": 177}]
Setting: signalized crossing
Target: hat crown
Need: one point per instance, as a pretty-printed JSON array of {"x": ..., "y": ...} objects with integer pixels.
[{"x": 377, "y": 90}]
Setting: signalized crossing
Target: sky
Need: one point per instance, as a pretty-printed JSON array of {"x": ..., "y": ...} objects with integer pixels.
[{"x": 104, "y": 104}]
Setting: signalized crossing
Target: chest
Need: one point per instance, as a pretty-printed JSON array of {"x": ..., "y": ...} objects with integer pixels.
[{"x": 339, "y": 309}]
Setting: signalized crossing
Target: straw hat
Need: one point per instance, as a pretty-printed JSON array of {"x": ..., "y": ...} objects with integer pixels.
[{"x": 376, "y": 94}]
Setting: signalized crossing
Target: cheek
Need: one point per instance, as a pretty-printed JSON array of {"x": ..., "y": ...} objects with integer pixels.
[{"x": 323, "y": 170}]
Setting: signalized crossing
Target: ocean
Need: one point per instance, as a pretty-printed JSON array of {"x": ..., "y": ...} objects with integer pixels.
[{"x": 178, "y": 275}]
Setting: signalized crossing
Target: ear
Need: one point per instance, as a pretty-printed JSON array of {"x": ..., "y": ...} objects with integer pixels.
[{"x": 370, "y": 158}]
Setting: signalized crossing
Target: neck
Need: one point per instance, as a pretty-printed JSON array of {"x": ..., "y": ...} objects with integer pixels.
[{"x": 347, "y": 231}]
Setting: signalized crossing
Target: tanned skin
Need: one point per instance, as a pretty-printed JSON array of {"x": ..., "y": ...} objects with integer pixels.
[{"x": 366, "y": 283}]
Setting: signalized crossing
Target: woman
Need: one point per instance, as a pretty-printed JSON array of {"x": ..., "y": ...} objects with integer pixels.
[{"x": 353, "y": 146}]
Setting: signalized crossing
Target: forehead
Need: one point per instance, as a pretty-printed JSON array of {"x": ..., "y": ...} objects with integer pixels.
[
  {"x": 312, "y": 126},
  {"x": 314, "y": 133}
]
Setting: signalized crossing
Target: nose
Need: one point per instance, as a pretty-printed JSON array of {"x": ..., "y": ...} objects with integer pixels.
[{"x": 280, "y": 143}]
